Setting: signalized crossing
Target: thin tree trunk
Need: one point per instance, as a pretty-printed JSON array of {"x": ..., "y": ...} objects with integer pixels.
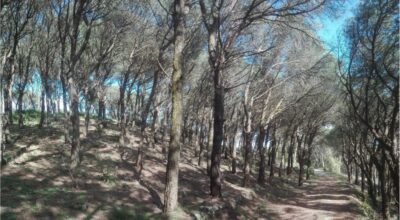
[
  {"x": 20, "y": 110},
  {"x": 282, "y": 162},
  {"x": 356, "y": 177},
  {"x": 273, "y": 152},
  {"x": 209, "y": 144},
  {"x": 382, "y": 183},
  {"x": 43, "y": 108},
  {"x": 290, "y": 155},
  {"x": 300, "y": 155},
  {"x": 87, "y": 117},
  {"x": 261, "y": 150},
  {"x": 67, "y": 139},
  {"x": 248, "y": 104},
  {"x": 74, "y": 106},
  {"x": 247, "y": 158},
  {"x": 236, "y": 143}
]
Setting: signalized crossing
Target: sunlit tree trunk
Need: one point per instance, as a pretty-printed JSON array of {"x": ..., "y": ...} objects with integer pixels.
[{"x": 171, "y": 186}]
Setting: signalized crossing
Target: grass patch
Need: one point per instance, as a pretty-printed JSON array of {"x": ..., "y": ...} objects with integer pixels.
[
  {"x": 8, "y": 216},
  {"x": 136, "y": 212},
  {"x": 29, "y": 116}
]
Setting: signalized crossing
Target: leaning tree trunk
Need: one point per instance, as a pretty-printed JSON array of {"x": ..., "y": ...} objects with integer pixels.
[
  {"x": 146, "y": 110},
  {"x": 171, "y": 186}
]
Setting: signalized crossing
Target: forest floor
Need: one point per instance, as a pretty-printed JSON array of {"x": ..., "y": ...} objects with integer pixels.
[{"x": 36, "y": 184}]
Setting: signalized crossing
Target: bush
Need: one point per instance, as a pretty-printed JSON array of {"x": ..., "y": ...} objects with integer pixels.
[{"x": 332, "y": 164}]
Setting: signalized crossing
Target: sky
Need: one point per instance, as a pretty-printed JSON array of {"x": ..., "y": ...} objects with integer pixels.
[{"x": 332, "y": 27}]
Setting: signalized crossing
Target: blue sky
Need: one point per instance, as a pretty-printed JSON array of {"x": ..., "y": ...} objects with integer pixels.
[{"x": 332, "y": 27}]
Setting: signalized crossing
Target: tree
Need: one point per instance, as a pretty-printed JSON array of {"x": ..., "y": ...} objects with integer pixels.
[
  {"x": 219, "y": 21},
  {"x": 370, "y": 77},
  {"x": 181, "y": 9},
  {"x": 19, "y": 15}
]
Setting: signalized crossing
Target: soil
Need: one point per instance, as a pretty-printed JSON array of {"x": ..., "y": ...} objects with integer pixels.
[{"x": 36, "y": 184}]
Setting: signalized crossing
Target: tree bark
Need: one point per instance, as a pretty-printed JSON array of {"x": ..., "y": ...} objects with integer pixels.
[
  {"x": 20, "y": 109},
  {"x": 215, "y": 177},
  {"x": 43, "y": 108},
  {"x": 171, "y": 188},
  {"x": 210, "y": 142},
  {"x": 236, "y": 143},
  {"x": 282, "y": 162},
  {"x": 248, "y": 105},
  {"x": 273, "y": 152},
  {"x": 74, "y": 106},
  {"x": 261, "y": 150},
  {"x": 87, "y": 117},
  {"x": 289, "y": 166},
  {"x": 300, "y": 155}
]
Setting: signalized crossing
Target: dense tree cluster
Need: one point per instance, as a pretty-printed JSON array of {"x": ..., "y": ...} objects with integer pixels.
[
  {"x": 370, "y": 77},
  {"x": 246, "y": 82}
]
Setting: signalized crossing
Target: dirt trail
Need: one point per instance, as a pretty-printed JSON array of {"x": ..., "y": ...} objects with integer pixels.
[{"x": 326, "y": 197}]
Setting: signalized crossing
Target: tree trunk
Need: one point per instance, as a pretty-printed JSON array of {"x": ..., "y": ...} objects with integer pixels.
[
  {"x": 201, "y": 141},
  {"x": 273, "y": 152},
  {"x": 215, "y": 177},
  {"x": 43, "y": 108},
  {"x": 8, "y": 104},
  {"x": 209, "y": 144},
  {"x": 171, "y": 188},
  {"x": 2, "y": 144},
  {"x": 382, "y": 183},
  {"x": 248, "y": 104},
  {"x": 100, "y": 115},
  {"x": 145, "y": 112},
  {"x": 362, "y": 182},
  {"x": 300, "y": 155},
  {"x": 290, "y": 155},
  {"x": 74, "y": 106},
  {"x": 261, "y": 150},
  {"x": 356, "y": 177},
  {"x": 20, "y": 110},
  {"x": 48, "y": 105},
  {"x": 164, "y": 131},
  {"x": 154, "y": 126},
  {"x": 247, "y": 158},
  {"x": 67, "y": 139},
  {"x": 282, "y": 162},
  {"x": 87, "y": 117}
]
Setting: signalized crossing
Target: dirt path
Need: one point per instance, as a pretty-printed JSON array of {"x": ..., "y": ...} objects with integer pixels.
[{"x": 325, "y": 197}]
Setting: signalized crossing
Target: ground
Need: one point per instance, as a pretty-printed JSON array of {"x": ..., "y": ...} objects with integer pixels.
[{"x": 36, "y": 184}]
